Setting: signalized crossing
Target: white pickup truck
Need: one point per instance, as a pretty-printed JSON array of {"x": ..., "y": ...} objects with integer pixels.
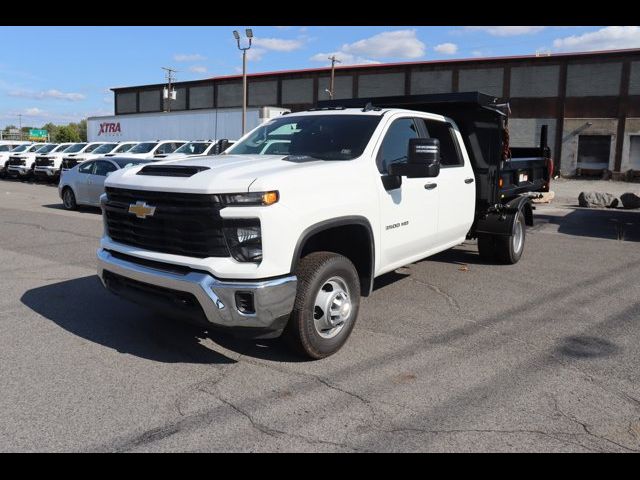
[{"x": 266, "y": 244}]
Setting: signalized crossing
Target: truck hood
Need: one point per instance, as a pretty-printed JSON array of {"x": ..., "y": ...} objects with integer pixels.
[{"x": 224, "y": 174}]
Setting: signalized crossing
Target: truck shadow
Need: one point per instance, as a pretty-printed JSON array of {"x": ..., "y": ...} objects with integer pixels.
[
  {"x": 84, "y": 308},
  {"x": 609, "y": 224}
]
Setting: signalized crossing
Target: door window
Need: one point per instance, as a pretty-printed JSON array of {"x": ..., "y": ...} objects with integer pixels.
[
  {"x": 450, "y": 155},
  {"x": 102, "y": 168},
  {"x": 86, "y": 167},
  {"x": 395, "y": 144}
]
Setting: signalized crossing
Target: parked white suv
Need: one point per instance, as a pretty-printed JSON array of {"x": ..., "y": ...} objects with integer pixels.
[
  {"x": 16, "y": 150},
  {"x": 47, "y": 165},
  {"x": 123, "y": 147},
  {"x": 155, "y": 149}
]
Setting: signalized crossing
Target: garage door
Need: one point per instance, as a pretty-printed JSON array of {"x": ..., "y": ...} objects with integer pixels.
[
  {"x": 594, "y": 151},
  {"x": 634, "y": 152}
]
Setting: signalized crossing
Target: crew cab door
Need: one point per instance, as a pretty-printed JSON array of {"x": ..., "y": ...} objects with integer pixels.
[
  {"x": 409, "y": 211},
  {"x": 456, "y": 183}
]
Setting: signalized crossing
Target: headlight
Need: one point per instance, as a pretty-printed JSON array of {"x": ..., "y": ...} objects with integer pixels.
[
  {"x": 251, "y": 198},
  {"x": 244, "y": 238}
]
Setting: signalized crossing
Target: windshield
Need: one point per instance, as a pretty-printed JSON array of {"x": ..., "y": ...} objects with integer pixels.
[
  {"x": 35, "y": 147},
  {"x": 62, "y": 148},
  {"x": 91, "y": 148},
  {"x": 105, "y": 148},
  {"x": 127, "y": 162},
  {"x": 21, "y": 148},
  {"x": 5, "y": 148},
  {"x": 124, "y": 148},
  {"x": 325, "y": 137},
  {"x": 75, "y": 148},
  {"x": 145, "y": 147},
  {"x": 193, "y": 148},
  {"x": 46, "y": 148}
]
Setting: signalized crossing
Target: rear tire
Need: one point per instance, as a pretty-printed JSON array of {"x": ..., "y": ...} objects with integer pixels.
[
  {"x": 69, "y": 199},
  {"x": 326, "y": 305},
  {"x": 509, "y": 249}
]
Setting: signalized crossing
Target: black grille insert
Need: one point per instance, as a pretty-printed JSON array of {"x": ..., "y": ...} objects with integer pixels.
[
  {"x": 171, "y": 170},
  {"x": 17, "y": 161},
  {"x": 44, "y": 162},
  {"x": 182, "y": 223}
]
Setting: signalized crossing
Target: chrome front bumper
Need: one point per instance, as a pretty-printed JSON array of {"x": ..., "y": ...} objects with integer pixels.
[
  {"x": 272, "y": 299},
  {"x": 49, "y": 171},
  {"x": 18, "y": 170}
]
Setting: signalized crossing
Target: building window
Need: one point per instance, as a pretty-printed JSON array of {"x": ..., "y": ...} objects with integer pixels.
[
  {"x": 634, "y": 152},
  {"x": 150, "y": 100},
  {"x": 126, "y": 102},
  {"x": 594, "y": 152},
  {"x": 180, "y": 103},
  {"x": 201, "y": 97},
  {"x": 297, "y": 91}
]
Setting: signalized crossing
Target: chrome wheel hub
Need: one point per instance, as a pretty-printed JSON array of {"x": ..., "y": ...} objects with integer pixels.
[
  {"x": 518, "y": 236},
  {"x": 332, "y": 308}
]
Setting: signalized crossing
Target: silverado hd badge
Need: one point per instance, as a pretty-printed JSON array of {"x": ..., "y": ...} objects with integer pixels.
[{"x": 141, "y": 209}]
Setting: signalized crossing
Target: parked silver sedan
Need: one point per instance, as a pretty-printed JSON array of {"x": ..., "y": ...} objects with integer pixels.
[{"x": 84, "y": 183}]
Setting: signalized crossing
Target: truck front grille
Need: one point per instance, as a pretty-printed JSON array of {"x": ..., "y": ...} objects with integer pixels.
[
  {"x": 68, "y": 163},
  {"x": 17, "y": 161},
  {"x": 44, "y": 162},
  {"x": 182, "y": 223}
]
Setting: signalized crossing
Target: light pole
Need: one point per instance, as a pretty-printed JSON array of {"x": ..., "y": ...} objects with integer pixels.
[
  {"x": 236, "y": 35},
  {"x": 334, "y": 60}
]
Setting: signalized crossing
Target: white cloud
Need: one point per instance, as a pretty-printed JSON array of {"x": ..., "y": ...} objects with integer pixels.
[
  {"x": 446, "y": 48},
  {"x": 283, "y": 28},
  {"x": 478, "y": 53},
  {"x": 35, "y": 112},
  {"x": 507, "y": 31},
  {"x": 398, "y": 44},
  {"x": 278, "y": 44},
  {"x": 255, "y": 54},
  {"x": 48, "y": 94},
  {"x": 198, "y": 69},
  {"x": 385, "y": 45},
  {"x": 345, "y": 58},
  {"x": 608, "y": 38},
  {"x": 189, "y": 57}
]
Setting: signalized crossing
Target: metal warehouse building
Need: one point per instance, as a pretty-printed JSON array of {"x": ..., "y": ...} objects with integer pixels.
[{"x": 590, "y": 101}]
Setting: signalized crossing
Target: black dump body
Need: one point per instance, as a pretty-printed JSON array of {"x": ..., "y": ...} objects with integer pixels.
[{"x": 482, "y": 121}]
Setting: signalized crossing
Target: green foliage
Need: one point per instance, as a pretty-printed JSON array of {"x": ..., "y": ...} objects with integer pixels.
[
  {"x": 67, "y": 133},
  {"x": 72, "y": 132}
]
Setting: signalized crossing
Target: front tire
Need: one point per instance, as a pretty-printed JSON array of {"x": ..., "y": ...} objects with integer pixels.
[
  {"x": 326, "y": 305},
  {"x": 69, "y": 199}
]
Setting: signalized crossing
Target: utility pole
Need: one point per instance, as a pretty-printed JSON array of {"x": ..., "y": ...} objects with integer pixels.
[
  {"x": 236, "y": 35},
  {"x": 331, "y": 90},
  {"x": 168, "y": 93},
  {"x": 20, "y": 127}
]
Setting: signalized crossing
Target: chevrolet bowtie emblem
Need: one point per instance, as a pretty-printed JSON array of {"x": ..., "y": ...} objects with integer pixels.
[{"x": 141, "y": 209}]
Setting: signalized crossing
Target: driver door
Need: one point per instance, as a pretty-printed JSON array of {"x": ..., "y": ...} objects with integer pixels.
[{"x": 409, "y": 211}]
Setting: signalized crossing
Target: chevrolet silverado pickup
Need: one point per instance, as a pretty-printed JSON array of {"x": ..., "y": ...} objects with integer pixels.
[{"x": 287, "y": 243}]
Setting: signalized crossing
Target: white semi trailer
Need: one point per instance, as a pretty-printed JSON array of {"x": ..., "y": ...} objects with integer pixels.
[{"x": 187, "y": 125}]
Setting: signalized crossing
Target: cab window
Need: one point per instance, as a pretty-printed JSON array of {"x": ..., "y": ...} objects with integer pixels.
[
  {"x": 450, "y": 155},
  {"x": 102, "y": 168},
  {"x": 86, "y": 167},
  {"x": 395, "y": 144}
]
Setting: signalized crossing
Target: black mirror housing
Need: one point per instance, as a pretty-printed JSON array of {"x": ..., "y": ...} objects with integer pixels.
[{"x": 423, "y": 159}]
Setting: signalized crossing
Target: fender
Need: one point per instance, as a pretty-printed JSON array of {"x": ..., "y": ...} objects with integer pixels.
[
  {"x": 502, "y": 222},
  {"x": 367, "y": 284}
]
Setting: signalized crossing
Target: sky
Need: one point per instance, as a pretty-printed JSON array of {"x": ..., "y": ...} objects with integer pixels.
[{"x": 63, "y": 74}]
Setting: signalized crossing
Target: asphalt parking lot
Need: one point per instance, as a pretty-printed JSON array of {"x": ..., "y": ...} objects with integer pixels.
[{"x": 449, "y": 354}]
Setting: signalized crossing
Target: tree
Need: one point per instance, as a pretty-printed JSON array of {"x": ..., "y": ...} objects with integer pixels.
[
  {"x": 82, "y": 127},
  {"x": 67, "y": 133}
]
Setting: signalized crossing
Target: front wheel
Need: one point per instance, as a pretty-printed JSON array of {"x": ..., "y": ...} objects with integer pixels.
[
  {"x": 326, "y": 305},
  {"x": 69, "y": 199}
]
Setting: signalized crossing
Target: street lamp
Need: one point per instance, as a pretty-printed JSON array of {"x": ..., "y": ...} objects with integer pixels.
[{"x": 236, "y": 35}]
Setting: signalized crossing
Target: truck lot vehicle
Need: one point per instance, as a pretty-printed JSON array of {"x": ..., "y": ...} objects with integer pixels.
[
  {"x": 288, "y": 243},
  {"x": 22, "y": 164},
  {"x": 78, "y": 155},
  {"x": 123, "y": 147},
  {"x": 47, "y": 165},
  {"x": 84, "y": 183},
  {"x": 18, "y": 149},
  {"x": 200, "y": 148},
  {"x": 155, "y": 149}
]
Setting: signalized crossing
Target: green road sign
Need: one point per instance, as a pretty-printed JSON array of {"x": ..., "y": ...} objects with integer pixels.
[{"x": 38, "y": 133}]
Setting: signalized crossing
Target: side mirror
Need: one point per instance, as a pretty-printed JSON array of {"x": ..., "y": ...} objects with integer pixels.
[
  {"x": 423, "y": 159},
  {"x": 221, "y": 146}
]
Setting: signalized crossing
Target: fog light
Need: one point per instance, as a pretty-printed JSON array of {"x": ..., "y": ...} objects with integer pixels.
[{"x": 244, "y": 303}]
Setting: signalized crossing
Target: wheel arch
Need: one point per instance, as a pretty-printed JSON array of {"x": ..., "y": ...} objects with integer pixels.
[{"x": 318, "y": 237}]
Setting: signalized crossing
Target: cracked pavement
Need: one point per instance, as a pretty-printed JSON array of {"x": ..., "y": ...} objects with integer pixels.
[{"x": 449, "y": 353}]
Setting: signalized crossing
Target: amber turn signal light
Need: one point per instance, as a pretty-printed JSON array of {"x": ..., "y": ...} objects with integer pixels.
[{"x": 269, "y": 198}]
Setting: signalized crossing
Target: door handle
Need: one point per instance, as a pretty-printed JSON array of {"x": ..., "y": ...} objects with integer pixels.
[
  {"x": 468, "y": 180},
  {"x": 430, "y": 186}
]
